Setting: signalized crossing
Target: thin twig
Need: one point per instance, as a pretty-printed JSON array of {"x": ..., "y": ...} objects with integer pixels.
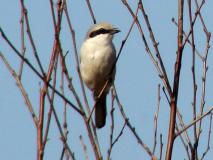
[
  {"x": 188, "y": 40},
  {"x": 21, "y": 88},
  {"x": 161, "y": 146},
  {"x": 195, "y": 121},
  {"x": 23, "y": 48},
  {"x": 155, "y": 45},
  {"x": 209, "y": 138},
  {"x": 120, "y": 134},
  {"x": 65, "y": 111},
  {"x": 35, "y": 53},
  {"x": 50, "y": 108},
  {"x": 91, "y": 11},
  {"x": 44, "y": 90},
  {"x": 77, "y": 64},
  {"x": 194, "y": 103},
  {"x": 53, "y": 13},
  {"x": 156, "y": 119},
  {"x": 155, "y": 62},
  {"x": 112, "y": 125},
  {"x": 193, "y": 22},
  {"x": 86, "y": 157},
  {"x": 29, "y": 64},
  {"x": 132, "y": 129},
  {"x": 184, "y": 143},
  {"x": 204, "y": 75}
]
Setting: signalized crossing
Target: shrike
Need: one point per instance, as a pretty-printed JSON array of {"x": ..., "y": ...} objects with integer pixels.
[{"x": 97, "y": 57}]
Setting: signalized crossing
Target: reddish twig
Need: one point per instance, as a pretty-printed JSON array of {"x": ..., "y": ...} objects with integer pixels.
[
  {"x": 204, "y": 72},
  {"x": 44, "y": 90},
  {"x": 132, "y": 129},
  {"x": 53, "y": 13},
  {"x": 23, "y": 48},
  {"x": 194, "y": 121},
  {"x": 72, "y": 31},
  {"x": 156, "y": 119},
  {"x": 91, "y": 11},
  {"x": 84, "y": 148},
  {"x": 194, "y": 104},
  {"x": 161, "y": 146},
  {"x": 188, "y": 40},
  {"x": 120, "y": 134},
  {"x": 50, "y": 108},
  {"x": 21, "y": 87},
  {"x": 193, "y": 22},
  {"x": 112, "y": 125},
  {"x": 155, "y": 62},
  {"x": 37, "y": 72},
  {"x": 209, "y": 138},
  {"x": 173, "y": 108},
  {"x": 155, "y": 45},
  {"x": 35, "y": 53}
]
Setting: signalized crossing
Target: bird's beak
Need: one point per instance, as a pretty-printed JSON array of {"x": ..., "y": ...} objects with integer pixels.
[{"x": 114, "y": 31}]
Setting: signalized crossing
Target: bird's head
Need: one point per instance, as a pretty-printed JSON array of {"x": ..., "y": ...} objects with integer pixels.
[{"x": 102, "y": 29}]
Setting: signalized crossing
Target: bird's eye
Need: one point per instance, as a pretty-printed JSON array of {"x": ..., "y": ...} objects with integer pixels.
[
  {"x": 102, "y": 30},
  {"x": 98, "y": 32}
]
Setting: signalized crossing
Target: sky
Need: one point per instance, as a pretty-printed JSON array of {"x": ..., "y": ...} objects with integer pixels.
[{"x": 136, "y": 78}]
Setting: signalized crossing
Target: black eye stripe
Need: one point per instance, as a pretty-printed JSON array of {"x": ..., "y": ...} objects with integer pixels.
[{"x": 99, "y": 31}]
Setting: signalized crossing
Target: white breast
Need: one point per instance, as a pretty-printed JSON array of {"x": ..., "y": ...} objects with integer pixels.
[{"x": 97, "y": 56}]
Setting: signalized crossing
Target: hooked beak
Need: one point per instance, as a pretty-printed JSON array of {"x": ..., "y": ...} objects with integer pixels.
[{"x": 114, "y": 31}]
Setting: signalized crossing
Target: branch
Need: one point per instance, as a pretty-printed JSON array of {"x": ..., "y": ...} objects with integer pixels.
[
  {"x": 132, "y": 129},
  {"x": 91, "y": 11},
  {"x": 84, "y": 148},
  {"x": 112, "y": 125},
  {"x": 23, "y": 47},
  {"x": 173, "y": 110},
  {"x": 37, "y": 72},
  {"x": 32, "y": 43},
  {"x": 156, "y": 119},
  {"x": 193, "y": 122},
  {"x": 21, "y": 88},
  {"x": 155, "y": 45},
  {"x": 155, "y": 62},
  {"x": 209, "y": 137}
]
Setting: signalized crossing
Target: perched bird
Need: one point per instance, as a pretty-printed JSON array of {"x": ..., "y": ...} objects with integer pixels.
[{"x": 97, "y": 57}]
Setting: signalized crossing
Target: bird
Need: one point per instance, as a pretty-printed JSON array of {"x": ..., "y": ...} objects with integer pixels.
[{"x": 97, "y": 65}]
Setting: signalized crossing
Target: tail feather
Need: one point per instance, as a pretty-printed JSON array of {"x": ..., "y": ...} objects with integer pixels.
[{"x": 100, "y": 112}]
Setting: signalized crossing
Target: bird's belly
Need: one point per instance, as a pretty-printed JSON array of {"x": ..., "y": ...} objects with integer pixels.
[{"x": 96, "y": 68}]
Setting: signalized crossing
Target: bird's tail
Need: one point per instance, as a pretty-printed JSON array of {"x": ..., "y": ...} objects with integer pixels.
[{"x": 100, "y": 111}]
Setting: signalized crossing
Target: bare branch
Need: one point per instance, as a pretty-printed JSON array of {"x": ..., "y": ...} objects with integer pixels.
[
  {"x": 23, "y": 48},
  {"x": 86, "y": 157},
  {"x": 37, "y": 72},
  {"x": 112, "y": 126},
  {"x": 161, "y": 146},
  {"x": 91, "y": 11},
  {"x": 21, "y": 88},
  {"x": 195, "y": 121},
  {"x": 156, "y": 119},
  {"x": 209, "y": 138},
  {"x": 132, "y": 129},
  {"x": 31, "y": 37},
  {"x": 173, "y": 110}
]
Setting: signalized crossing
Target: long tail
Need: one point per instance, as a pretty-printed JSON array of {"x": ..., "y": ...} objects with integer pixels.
[{"x": 100, "y": 112}]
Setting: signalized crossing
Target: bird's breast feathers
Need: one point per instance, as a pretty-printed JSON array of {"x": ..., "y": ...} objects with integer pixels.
[{"x": 96, "y": 61}]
